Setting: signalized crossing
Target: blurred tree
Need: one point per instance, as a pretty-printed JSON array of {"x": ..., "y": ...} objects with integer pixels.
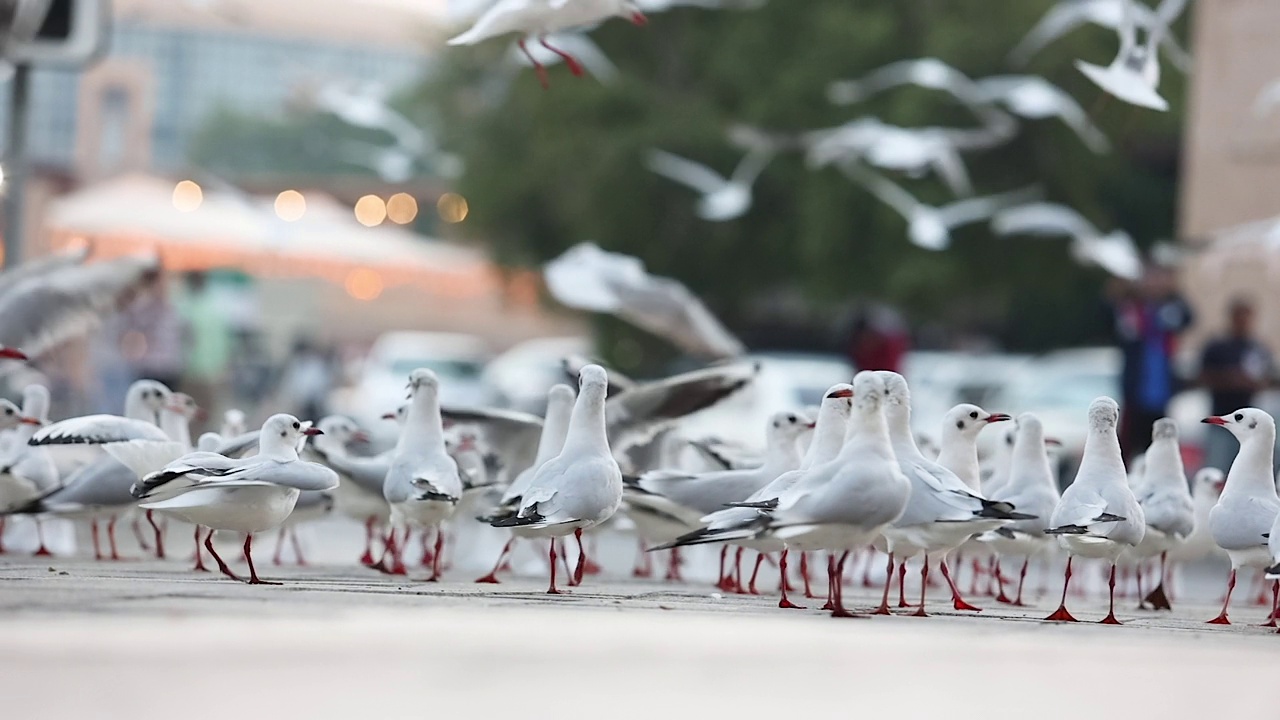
[{"x": 548, "y": 169}]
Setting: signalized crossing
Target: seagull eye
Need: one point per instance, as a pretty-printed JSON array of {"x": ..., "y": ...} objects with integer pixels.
[
  {"x": 1239, "y": 417},
  {"x": 973, "y": 414},
  {"x": 8, "y": 411},
  {"x": 297, "y": 426}
]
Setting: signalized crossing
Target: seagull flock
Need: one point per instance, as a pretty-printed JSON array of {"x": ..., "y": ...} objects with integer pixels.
[{"x": 866, "y": 146}]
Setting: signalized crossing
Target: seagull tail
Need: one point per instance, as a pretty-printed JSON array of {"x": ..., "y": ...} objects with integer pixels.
[
  {"x": 1273, "y": 572},
  {"x": 998, "y": 510}
]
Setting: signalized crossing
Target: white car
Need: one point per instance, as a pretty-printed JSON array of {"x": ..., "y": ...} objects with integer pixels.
[{"x": 457, "y": 359}]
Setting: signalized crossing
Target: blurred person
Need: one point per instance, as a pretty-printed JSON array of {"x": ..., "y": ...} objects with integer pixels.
[
  {"x": 1149, "y": 316},
  {"x": 209, "y": 343},
  {"x": 306, "y": 380},
  {"x": 1234, "y": 368},
  {"x": 878, "y": 339}
]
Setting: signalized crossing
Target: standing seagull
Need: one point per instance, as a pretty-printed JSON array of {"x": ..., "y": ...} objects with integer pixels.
[
  {"x": 1166, "y": 504},
  {"x": 246, "y": 495},
  {"x": 1248, "y": 506},
  {"x": 422, "y": 486},
  {"x": 723, "y": 199},
  {"x": 1134, "y": 75},
  {"x": 579, "y": 488},
  {"x": 1033, "y": 487},
  {"x": 27, "y": 473},
  {"x": 1098, "y": 516},
  {"x": 540, "y": 18}
]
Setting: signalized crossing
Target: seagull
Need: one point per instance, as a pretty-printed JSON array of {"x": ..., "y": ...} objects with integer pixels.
[
  {"x": 1113, "y": 252},
  {"x": 1000, "y": 463},
  {"x": 246, "y": 495},
  {"x": 1098, "y": 516},
  {"x": 668, "y": 504},
  {"x": 1067, "y": 15},
  {"x": 359, "y": 493},
  {"x": 588, "y": 278},
  {"x": 723, "y": 199},
  {"x": 575, "y": 44},
  {"x": 959, "y": 454},
  {"x": 1032, "y": 486},
  {"x": 555, "y": 429},
  {"x": 942, "y": 512},
  {"x": 930, "y": 227},
  {"x": 422, "y": 486},
  {"x": 929, "y": 72},
  {"x": 739, "y": 524},
  {"x": 842, "y": 505},
  {"x": 1248, "y": 507},
  {"x": 1206, "y": 486},
  {"x": 540, "y": 18},
  {"x": 1166, "y": 504},
  {"x": 1134, "y": 75},
  {"x": 579, "y": 488},
  {"x": 25, "y": 472},
  {"x": 1035, "y": 98}
]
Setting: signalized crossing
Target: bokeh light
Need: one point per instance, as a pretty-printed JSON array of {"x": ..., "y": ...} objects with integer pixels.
[
  {"x": 187, "y": 196},
  {"x": 452, "y": 207},
  {"x": 291, "y": 205},
  {"x": 402, "y": 208},
  {"x": 364, "y": 284},
  {"x": 371, "y": 211}
]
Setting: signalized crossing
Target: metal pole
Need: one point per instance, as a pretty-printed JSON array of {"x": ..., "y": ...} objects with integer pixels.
[{"x": 15, "y": 166}]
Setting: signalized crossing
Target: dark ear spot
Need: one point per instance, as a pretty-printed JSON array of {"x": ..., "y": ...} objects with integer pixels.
[
  {"x": 960, "y": 424},
  {"x": 284, "y": 434},
  {"x": 1253, "y": 424}
]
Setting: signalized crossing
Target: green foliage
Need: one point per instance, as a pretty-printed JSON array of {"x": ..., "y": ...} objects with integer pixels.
[{"x": 548, "y": 169}]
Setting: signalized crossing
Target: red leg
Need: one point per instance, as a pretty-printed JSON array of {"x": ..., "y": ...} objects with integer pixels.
[
  {"x": 751, "y": 587},
  {"x": 248, "y": 555},
  {"x": 888, "y": 580},
  {"x": 1226, "y": 602},
  {"x": 111, "y": 537},
  {"x": 537, "y": 66},
  {"x": 1061, "y": 614},
  {"x": 804, "y": 574},
  {"x": 839, "y": 609},
  {"x": 42, "y": 551},
  {"x": 1275, "y": 599},
  {"x": 589, "y": 566},
  {"x": 367, "y": 558},
  {"x": 902, "y": 584},
  {"x": 159, "y": 534},
  {"x": 552, "y": 590},
  {"x": 297, "y": 546},
  {"x": 924, "y": 586},
  {"x": 580, "y": 568},
  {"x": 867, "y": 582},
  {"x": 1110, "y": 619},
  {"x": 785, "y": 603},
  {"x": 199, "y": 556},
  {"x": 438, "y": 555},
  {"x": 575, "y": 67},
  {"x": 674, "y": 561},
  {"x": 957, "y": 601},
  {"x": 831, "y": 582},
  {"x": 1000, "y": 596},
  {"x": 737, "y": 572},
  {"x": 1261, "y": 597},
  {"x": 644, "y": 562},
  {"x": 398, "y": 550},
  {"x": 93, "y": 530},
  {"x": 208, "y": 545},
  {"x": 275, "y": 557},
  {"x": 2, "y": 524},
  {"x": 492, "y": 577},
  {"x": 1022, "y": 578},
  {"x": 427, "y": 558}
]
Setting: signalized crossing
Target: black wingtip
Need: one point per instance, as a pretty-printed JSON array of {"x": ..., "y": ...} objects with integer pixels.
[
  {"x": 1273, "y": 572},
  {"x": 770, "y": 504},
  {"x": 1067, "y": 530}
]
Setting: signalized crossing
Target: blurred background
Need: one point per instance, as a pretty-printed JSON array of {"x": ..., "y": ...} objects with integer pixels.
[{"x": 338, "y": 197}]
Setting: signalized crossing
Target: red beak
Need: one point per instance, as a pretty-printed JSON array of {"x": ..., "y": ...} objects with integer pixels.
[
  {"x": 360, "y": 436},
  {"x": 1214, "y": 420},
  {"x": 29, "y": 420},
  {"x": 312, "y": 431},
  {"x": 1053, "y": 442},
  {"x": 639, "y": 19},
  {"x": 389, "y": 416},
  {"x": 842, "y": 393},
  {"x": 812, "y": 425},
  {"x": 12, "y": 354},
  {"x": 998, "y": 417}
]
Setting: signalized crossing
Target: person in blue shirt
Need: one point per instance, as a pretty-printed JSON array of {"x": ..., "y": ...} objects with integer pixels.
[{"x": 1149, "y": 317}]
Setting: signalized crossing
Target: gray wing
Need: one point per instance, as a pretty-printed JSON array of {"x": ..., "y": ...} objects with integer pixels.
[
  {"x": 368, "y": 473},
  {"x": 96, "y": 430},
  {"x": 240, "y": 446},
  {"x": 40, "y": 267},
  {"x": 512, "y": 435},
  {"x": 646, "y": 408},
  {"x": 39, "y": 313},
  {"x": 98, "y": 485}
]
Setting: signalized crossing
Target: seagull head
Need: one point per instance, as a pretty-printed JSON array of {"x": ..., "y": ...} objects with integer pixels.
[
  {"x": 969, "y": 420},
  {"x": 839, "y": 397},
  {"x": 593, "y": 378},
  {"x": 1164, "y": 428},
  {"x": 1245, "y": 422},
  {"x": 1104, "y": 415},
  {"x": 185, "y": 406},
  {"x": 788, "y": 426},
  {"x": 1028, "y": 426},
  {"x": 343, "y": 429},
  {"x": 896, "y": 391},
  {"x": 285, "y": 430},
  {"x": 1209, "y": 480},
  {"x": 11, "y": 416},
  {"x": 420, "y": 379},
  {"x": 868, "y": 391},
  {"x": 153, "y": 395},
  {"x": 400, "y": 414}
]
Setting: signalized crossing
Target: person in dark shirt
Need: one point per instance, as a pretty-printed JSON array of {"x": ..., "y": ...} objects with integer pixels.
[
  {"x": 1148, "y": 319},
  {"x": 1234, "y": 368}
]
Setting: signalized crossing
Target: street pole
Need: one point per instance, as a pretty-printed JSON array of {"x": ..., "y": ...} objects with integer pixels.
[{"x": 15, "y": 166}]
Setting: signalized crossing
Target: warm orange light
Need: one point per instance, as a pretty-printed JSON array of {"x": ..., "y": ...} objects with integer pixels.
[
  {"x": 453, "y": 208},
  {"x": 291, "y": 205},
  {"x": 402, "y": 208},
  {"x": 187, "y": 196},
  {"x": 370, "y": 210},
  {"x": 363, "y": 284}
]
